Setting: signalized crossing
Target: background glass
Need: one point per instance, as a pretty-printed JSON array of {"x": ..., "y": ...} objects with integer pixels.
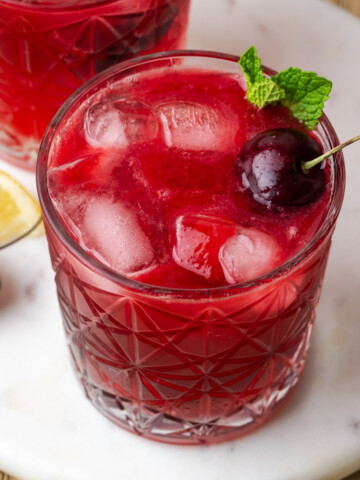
[{"x": 49, "y": 48}]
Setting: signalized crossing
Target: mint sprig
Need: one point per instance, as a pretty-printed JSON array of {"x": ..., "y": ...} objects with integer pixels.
[
  {"x": 251, "y": 65},
  {"x": 304, "y": 93},
  {"x": 264, "y": 92},
  {"x": 261, "y": 90}
]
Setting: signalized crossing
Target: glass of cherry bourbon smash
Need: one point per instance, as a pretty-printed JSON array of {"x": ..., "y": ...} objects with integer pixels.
[
  {"x": 48, "y": 48},
  {"x": 188, "y": 307}
]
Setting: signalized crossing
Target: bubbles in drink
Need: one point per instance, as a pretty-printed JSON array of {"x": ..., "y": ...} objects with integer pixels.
[
  {"x": 119, "y": 123},
  {"x": 249, "y": 254},
  {"x": 194, "y": 126},
  {"x": 173, "y": 163}
]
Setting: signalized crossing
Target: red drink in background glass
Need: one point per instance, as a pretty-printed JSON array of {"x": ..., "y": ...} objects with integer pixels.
[
  {"x": 48, "y": 48},
  {"x": 188, "y": 307}
]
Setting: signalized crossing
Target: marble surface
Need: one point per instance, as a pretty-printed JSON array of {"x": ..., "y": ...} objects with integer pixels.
[{"x": 49, "y": 431}]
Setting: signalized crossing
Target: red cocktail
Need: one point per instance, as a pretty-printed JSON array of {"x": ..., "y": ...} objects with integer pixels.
[
  {"x": 49, "y": 48},
  {"x": 188, "y": 307}
]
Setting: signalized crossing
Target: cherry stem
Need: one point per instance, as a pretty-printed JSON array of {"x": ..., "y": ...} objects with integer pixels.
[{"x": 306, "y": 166}]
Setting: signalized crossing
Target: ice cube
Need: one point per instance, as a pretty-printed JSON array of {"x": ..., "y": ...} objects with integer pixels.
[
  {"x": 119, "y": 123},
  {"x": 68, "y": 185},
  {"x": 198, "y": 240},
  {"x": 112, "y": 233},
  {"x": 195, "y": 126},
  {"x": 249, "y": 254}
]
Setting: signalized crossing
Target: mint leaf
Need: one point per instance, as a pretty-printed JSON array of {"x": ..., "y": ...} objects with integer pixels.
[
  {"x": 261, "y": 90},
  {"x": 306, "y": 94},
  {"x": 264, "y": 92},
  {"x": 251, "y": 66}
]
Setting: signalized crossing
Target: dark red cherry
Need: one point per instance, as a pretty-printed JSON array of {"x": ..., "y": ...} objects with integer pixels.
[{"x": 270, "y": 165}]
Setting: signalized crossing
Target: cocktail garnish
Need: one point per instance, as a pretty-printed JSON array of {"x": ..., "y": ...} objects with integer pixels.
[
  {"x": 282, "y": 167},
  {"x": 304, "y": 93},
  {"x": 270, "y": 165}
]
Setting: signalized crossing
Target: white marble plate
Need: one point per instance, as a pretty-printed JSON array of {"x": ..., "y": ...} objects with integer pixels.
[{"x": 49, "y": 431}]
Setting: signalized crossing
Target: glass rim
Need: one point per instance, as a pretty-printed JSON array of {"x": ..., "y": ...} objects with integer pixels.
[
  {"x": 333, "y": 210},
  {"x": 54, "y": 5}
]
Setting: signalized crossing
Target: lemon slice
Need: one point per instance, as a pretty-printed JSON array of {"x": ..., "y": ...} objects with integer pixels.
[{"x": 20, "y": 213}]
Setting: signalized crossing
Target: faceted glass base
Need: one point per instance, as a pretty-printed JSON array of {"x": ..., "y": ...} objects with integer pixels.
[{"x": 162, "y": 427}]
